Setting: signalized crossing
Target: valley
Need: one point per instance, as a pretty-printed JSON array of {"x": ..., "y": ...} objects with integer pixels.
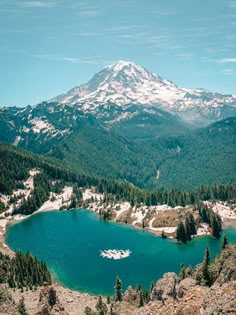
[{"x": 121, "y": 179}]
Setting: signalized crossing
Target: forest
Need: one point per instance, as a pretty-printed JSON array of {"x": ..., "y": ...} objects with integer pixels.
[
  {"x": 23, "y": 271},
  {"x": 15, "y": 165}
]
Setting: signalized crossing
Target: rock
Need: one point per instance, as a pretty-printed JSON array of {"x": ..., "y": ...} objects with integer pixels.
[
  {"x": 220, "y": 300},
  {"x": 184, "y": 285},
  {"x": 49, "y": 303},
  {"x": 131, "y": 296},
  {"x": 7, "y": 303},
  {"x": 165, "y": 287}
]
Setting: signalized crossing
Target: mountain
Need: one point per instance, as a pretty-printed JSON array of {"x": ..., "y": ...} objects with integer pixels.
[
  {"x": 126, "y": 83},
  {"x": 141, "y": 143}
]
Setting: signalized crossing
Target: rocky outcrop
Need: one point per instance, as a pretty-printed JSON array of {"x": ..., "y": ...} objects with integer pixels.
[
  {"x": 170, "y": 296},
  {"x": 49, "y": 303},
  {"x": 7, "y": 303},
  {"x": 184, "y": 286},
  {"x": 220, "y": 300},
  {"x": 165, "y": 287},
  {"x": 131, "y": 296}
]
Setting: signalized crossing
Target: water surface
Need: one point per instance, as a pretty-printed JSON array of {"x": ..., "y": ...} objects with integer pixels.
[{"x": 70, "y": 243}]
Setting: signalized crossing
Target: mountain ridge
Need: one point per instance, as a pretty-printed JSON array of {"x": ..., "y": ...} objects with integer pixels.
[{"x": 125, "y": 83}]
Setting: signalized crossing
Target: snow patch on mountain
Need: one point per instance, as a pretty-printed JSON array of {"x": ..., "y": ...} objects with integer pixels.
[{"x": 40, "y": 125}]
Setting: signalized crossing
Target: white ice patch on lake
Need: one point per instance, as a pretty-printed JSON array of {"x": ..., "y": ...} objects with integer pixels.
[{"x": 115, "y": 253}]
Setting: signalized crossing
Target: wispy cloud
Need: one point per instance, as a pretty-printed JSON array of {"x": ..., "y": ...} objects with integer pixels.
[
  {"x": 95, "y": 61},
  {"x": 122, "y": 28},
  {"x": 166, "y": 12},
  {"x": 184, "y": 55},
  {"x": 86, "y": 9},
  {"x": 87, "y": 34},
  {"x": 88, "y": 13},
  {"x": 38, "y": 4},
  {"x": 226, "y": 60},
  {"x": 232, "y": 4},
  {"x": 228, "y": 72},
  {"x": 19, "y": 31}
]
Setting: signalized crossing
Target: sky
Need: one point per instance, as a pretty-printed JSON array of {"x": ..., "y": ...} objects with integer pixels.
[{"x": 48, "y": 47}]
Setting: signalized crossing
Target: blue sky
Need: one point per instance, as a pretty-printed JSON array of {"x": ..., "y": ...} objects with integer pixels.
[{"x": 49, "y": 46}]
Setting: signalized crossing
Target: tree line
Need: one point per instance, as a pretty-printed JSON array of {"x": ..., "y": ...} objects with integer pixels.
[
  {"x": 23, "y": 270},
  {"x": 185, "y": 230},
  {"x": 15, "y": 165}
]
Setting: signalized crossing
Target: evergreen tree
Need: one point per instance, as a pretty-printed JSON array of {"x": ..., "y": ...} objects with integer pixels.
[
  {"x": 182, "y": 273},
  {"x": 118, "y": 289},
  {"x": 187, "y": 230},
  {"x": 192, "y": 224},
  {"x": 21, "y": 307},
  {"x": 224, "y": 242},
  {"x": 141, "y": 303},
  {"x": 151, "y": 287},
  {"x": 163, "y": 235},
  {"x": 101, "y": 307},
  {"x": 108, "y": 299},
  {"x": 52, "y": 297},
  {"x": 215, "y": 226},
  {"x": 180, "y": 233},
  {"x": 205, "y": 268}
]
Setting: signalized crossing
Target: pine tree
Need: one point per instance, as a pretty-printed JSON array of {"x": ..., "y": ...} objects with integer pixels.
[
  {"x": 187, "y": 230},
  {"x": 181, "y": 234},
  {"x": 52, "y": 296},
  {"x": 151, "y": 287},
  {"x": 101, "y": 306},
  {"x": 21, "y": 307},
  {"x": 192, "y": 224},
  {"x": 141, "y": 303},
  {"x": 118, "y": 289},
  {"x": 205, "y": 268},
  {"x": 182, "y": 273},
  {"x": 215, "y": 226},
  {"x": 163, "y": 235},
  {"x": 224, "y": 242}
]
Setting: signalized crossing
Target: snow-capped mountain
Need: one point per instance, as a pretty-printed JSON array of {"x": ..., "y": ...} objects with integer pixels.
[{"x": 125, "y": 83}]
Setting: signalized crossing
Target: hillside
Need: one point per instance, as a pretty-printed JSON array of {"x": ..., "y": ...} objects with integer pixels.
[
  {"x": 202, "y": 157},
  {"x": 181, "y": 162}
]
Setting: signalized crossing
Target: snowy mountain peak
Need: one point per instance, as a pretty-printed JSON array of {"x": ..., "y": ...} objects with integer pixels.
[{"x": 125, "y": 82}]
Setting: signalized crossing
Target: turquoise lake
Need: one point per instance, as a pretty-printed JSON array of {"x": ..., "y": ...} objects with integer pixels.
[{"x": 70, "y": 243}]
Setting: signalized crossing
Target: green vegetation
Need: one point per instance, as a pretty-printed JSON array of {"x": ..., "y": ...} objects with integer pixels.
[
  {"x": 131, "y": 149},
  {"x": 21, "y": 307},
  {"x": 181, "y": 233},
  {"x": 101, "y": 307},
  {"x": 118, "y": 289},
  {"x": 207, "y": 215},
  {"x": 16, "y": 162},
  {"x": 224, "y": 242},
  {"x": 23, "y": 271}
]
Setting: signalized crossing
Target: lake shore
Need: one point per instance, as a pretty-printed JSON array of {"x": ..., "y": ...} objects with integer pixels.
[{"x": 95, "y": 203}]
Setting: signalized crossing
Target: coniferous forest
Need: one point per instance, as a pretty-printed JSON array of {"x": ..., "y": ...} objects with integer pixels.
[
  {"x": 15, "y": 165},
  {"x": 23, "y": 271}
]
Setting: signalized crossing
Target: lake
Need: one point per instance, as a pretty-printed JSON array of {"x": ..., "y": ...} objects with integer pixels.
[{"x": 70, "y": 243}]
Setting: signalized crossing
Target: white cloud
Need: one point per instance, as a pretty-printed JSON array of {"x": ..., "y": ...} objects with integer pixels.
[
  {"x": 38, "y": 4},
  {"x": 95, "y": 61},
  {"x": 227, "y": 60}
]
